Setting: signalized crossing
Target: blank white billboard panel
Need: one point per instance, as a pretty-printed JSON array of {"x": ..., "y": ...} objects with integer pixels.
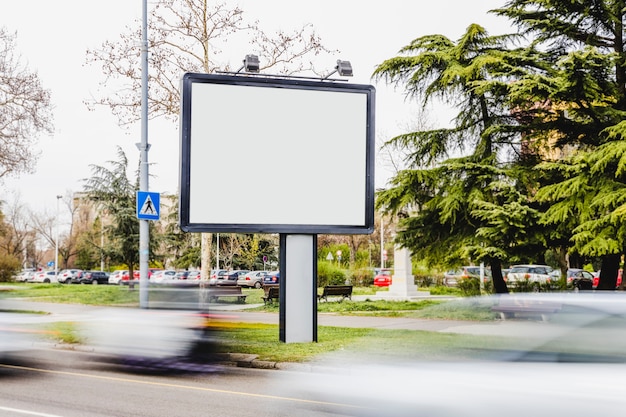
[{"x": 277, "y": 156}]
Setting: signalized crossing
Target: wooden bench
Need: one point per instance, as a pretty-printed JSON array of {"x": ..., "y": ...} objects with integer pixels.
[
  {"x": 509, "y": 308},
  {"x": 215, "y": 293},
  {"x": 343, "y": 291},
  {"x": 271, "y": 293}
]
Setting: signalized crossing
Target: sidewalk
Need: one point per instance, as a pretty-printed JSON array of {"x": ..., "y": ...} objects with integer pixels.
[{"x": 238, "y": 313}]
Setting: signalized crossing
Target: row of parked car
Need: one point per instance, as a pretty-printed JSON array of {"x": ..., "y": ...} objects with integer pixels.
[
  {"x": 218, "y": 277},
  {"x": 65, "y": 276},
  {"x": 533, "y": 275},
  {"x": 243, "y": 278}
]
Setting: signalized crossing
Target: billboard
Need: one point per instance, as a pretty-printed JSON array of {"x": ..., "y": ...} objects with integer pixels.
[{"x": 275, "y": 155}]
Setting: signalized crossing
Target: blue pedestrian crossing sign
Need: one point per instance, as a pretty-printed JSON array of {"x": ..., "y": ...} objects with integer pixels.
[{"x": 148, "y": 205}]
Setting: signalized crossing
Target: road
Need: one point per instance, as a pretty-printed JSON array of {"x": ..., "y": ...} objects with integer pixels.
[{"x": 56, "y": 383}]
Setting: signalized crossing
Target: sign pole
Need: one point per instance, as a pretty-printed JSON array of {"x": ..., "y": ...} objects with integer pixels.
[{"x": 144, "y": 230}]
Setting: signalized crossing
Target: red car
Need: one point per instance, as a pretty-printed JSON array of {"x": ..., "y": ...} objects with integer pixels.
[
  {"x": 596, "y": 279},
  {"x": 383, "y": 279}
]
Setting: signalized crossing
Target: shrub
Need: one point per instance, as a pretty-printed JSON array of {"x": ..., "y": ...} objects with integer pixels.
[
  {"x": 329, "y": 274},
  {"x": 424, "y": 280},
  {"x": 469, "y": 286},
  {"x": 9, "y": 266},
  {"x": 362, "y": 277}
]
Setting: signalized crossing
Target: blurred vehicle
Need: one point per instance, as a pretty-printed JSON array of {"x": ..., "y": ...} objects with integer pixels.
[
  {"x": 92, "y": 277},
  {"x": 579, "y": 279},
  {"x": 252, "y": 279},
  {"x": 116, "y": 276},
  {"x": 451, "y": 278},
  {"x": 216, "y": 274},
  {"x": 181, "y": 275},
  {"x": 596, "y": 279},
  {"x": 19, "y": 333},
  {"x": 163, "y": 276},
  {"x": 25, "y": 276},
  {"x": 230, "y": 278},
  {"x": 155, "y": 339},
  {"x": 45, "y": 276},
  {"x": 67, "y": 276},
  {"x": 194, "y": 275},
  {"x": 272, "y": 277},
  {"x": 383, "y": 278},
  {"x": 574, "y": 363},
  {"x": 533, "y": 275}
]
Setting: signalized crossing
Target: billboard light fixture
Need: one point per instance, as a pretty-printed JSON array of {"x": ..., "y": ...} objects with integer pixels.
[
  {"x": 343, "y": 68},
  {"x": 250, "y": 64}
]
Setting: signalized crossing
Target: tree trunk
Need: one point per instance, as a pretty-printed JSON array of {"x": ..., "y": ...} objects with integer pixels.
[
  {"x": 608, "y": 272},
  {"x": 499, "y": 285}
]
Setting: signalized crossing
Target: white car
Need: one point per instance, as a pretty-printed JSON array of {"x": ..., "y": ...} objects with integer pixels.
[
  {"x": 116, "y": 276},
  {"x": 45, "y": 276},
  {"x": 65, "y": 276},
  {"x": 252, "y": 279},
  {"x": 163, "y": 276},
  {"x": 533, "y": 275}
]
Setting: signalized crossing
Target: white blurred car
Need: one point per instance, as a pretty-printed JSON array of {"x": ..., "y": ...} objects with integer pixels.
[{"x": 573, "y": 364}]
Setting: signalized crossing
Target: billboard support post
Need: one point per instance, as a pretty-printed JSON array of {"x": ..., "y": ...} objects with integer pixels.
[{"x": 298, "y": 288}]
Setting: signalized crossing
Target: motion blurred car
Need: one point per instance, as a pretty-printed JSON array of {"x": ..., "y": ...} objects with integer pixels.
[
  {"x": 451, "y": 278},
  {"x": 383, "y": 278},
  {"x": 596, "y": 279},
  {"x": 230, "y": 278},
  {"x": 272, "y": 277},
  {"x": 252, "y": 279},
  {"x": 575, "y": 362}
]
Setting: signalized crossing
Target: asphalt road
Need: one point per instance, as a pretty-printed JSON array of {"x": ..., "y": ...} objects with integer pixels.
[{"x": 56, "y": 383}]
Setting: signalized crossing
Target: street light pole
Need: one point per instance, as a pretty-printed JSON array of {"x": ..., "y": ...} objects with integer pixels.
[{"x": 56, "y": 243}]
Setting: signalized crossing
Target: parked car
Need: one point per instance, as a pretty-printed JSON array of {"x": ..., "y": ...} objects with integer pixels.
[
  {"x": 25, "y": 276},
  {"x": 252, "y": 279},
  {"x": 116, "y": 276},
  {"x": 181, "y": 275},
  {"x": 451, "y": 278},
  {"x": 272, "y": 277},
  {"x": 92, "y": 277},
  {"x": 579, "y": 279},
  {"x": 596, "y": 279},
  {"x": 45, "y": 276},
  {"x": 163, "y": 276},
  {"x": 215, "y": 275},
  {"x": 67, "y": 276},
  {"x": 383, "y": 278},
  {"x": 194, "y": 275},
  {"x": 230, "y": 278},
  {"x": 534, "y": 275}
]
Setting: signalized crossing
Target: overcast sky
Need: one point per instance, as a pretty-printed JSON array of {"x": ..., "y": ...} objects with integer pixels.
[{"x": 52, "y": 37}]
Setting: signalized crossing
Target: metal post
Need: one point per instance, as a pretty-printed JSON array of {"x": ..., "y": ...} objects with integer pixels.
[
  {"x": 144, "y": 237},
  {"x": 56, "y": 243}
]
